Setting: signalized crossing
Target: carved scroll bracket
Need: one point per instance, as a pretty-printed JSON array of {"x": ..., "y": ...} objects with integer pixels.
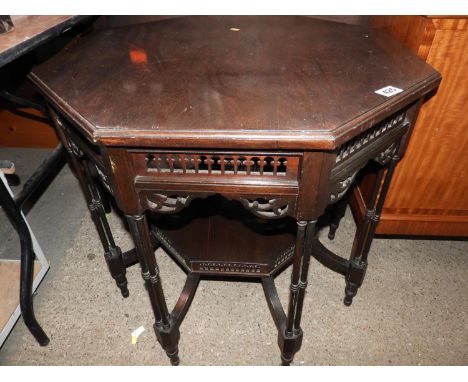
[
  {"x": 263, "y": 208},
  {"x": 168, "y": 204},
  {"x": 339, "y": 189},
  {"x": 269, "y": 209},
  {"x": 386, "y": 156}
]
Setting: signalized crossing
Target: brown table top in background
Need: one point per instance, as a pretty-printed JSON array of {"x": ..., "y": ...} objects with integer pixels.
[
  {"x": 31, "y": 31},
  {"x": 273, "y": 82}
]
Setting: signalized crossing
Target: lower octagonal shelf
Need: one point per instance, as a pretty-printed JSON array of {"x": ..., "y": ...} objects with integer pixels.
[{"x": 215, "y": 236}]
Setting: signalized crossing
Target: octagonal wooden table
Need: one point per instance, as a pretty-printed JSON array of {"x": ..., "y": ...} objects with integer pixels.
[{"x": 224, "y": 139}]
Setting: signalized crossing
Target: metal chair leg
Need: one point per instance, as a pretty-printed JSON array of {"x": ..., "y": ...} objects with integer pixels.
[{"x": 27, "y": 265}]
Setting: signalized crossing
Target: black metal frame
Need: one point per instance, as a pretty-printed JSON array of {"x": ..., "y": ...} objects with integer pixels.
[
  {"x": 12, "y": 208},
  {"x": 42, "y": 177}
]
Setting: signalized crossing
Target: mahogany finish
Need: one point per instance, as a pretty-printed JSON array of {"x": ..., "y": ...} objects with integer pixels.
[
  {"x": 193, "y": 81},
  {"x": 225, "y": 146}
]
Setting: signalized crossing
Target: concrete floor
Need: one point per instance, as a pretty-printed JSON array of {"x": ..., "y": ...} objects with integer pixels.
[
  {"x": 411, "y": 310},
  {"x": 62, "y": 203}
]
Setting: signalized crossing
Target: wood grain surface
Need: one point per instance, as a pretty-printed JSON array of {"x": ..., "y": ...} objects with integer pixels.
[
  {"x": 271, "y": 82},
  {"x": 428, "y": 193},
  {"x": 19, "y": 131}
]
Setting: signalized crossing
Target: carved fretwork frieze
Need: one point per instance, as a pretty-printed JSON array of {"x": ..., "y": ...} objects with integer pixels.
[
  {"x": 369, "y": 136},
  {"x": 217, "y": 164},
  {"x": 386, "y": 156},
  {"x": 284, "y": 257},
  {"x": 355, "y": 153},
  {"x": 167, "y": 204},
  {"x": 274, "y": 167},
  {"x": 228, "y": 267},
  {"x": 269, "y": 209},
  {"x": 264, "y": 208},
  {"x": 340, "y": 188}
]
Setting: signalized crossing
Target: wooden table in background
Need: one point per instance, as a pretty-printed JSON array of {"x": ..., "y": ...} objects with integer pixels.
[{"x": 30, "y": 32}]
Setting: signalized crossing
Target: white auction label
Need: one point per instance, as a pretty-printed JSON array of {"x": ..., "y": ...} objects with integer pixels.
[{"x": 389, "y": 91}]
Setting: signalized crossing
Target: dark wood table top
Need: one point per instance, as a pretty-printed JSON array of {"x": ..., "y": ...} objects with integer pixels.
[{"x": 232, "y": 82}]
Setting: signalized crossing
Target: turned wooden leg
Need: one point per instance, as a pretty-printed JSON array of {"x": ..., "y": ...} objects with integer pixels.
[
  {"x": 290, "y": 341},
  {"x": 104, "y": 196},
  {"x": 365, "y": 233},
  {"x": 112, "y": 253},
  {"x": 337, "y": 213},
  {"x": 166, "y": 329},
  {"x": 81, "y": 167}
]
